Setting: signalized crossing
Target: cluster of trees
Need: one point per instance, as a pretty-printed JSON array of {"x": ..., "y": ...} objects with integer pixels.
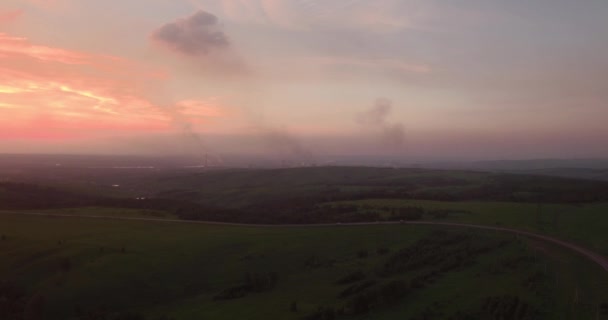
[
  {"x": 435, "y": 311},
  {"x": 406, "y": 213},
  {"x": 397, "y": 213},
  {"x": 104, "y": 313},
  {"x": 443, "y": 213},
  {"x": 311, "y": 205},
  {"x": 507, "y": 307},
  {"x": 512, "y": 263},
  {"x": 19, "y": 196},
  {"x": 316, "y": 261},
  {"x": 444, "y": 251},
  {"x": 252, "y": 282},
  {"x": 522, "y": 188},
  {"x": 324, "y": 313},
  {"x": 12, "y": 301},
  {"x": 535, "y": 281},
  {"x": 370, "y": 296},
  {"x": 357, "y": 288},
  {"x": 439, "y": 186},
  {"x": 16, "y": 304},
  {"x": 308, "y": 212},
  {"x": 428, "y": 259},
  {"x": 350, "y": 278},
  {"x": 16, "y": 196}
]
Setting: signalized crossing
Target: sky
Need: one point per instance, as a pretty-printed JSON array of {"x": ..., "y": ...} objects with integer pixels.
[{"x": 415, "y": 79}]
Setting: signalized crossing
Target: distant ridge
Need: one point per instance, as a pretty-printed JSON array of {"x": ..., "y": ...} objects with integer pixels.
[{"x": 537, "y": 164}]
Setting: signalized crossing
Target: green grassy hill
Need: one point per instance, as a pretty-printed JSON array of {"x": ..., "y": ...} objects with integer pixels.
[
  {"x": 585, "y": 224},
  {"x": 78, "y": 268}
]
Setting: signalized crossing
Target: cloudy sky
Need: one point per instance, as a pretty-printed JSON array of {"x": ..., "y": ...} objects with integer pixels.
[{"x": 425, "y": 79}]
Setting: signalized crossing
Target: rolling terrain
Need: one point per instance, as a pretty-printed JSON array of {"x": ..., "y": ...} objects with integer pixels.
[
  {"x": 392, "y": 245},
  {"x": 78, "y": 268}
]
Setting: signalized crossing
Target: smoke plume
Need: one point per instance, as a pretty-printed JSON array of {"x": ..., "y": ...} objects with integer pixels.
[
  {"x": 200, "y": 41},
  {"x": 196, "y": 35},
  {"x": 377, "y": 120},
  {"x": 286, "y": 145}
]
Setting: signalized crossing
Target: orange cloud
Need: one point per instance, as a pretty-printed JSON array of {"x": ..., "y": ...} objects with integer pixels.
[
  {"x": 55, "y": 93},
  {"x": 20, "y": 46}
]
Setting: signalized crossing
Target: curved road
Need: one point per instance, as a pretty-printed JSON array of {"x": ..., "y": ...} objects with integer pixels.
[{"x": 595, "y": 257}]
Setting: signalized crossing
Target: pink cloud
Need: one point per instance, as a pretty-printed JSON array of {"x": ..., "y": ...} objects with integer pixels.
[
  {"x": 54, "y": 92},
  {"x": 9, "y": 15}
]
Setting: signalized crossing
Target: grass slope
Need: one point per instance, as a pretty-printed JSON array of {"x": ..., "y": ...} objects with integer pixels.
[
  {"x": 86, "y": 266},
  {"x": 584, "y": 223}
]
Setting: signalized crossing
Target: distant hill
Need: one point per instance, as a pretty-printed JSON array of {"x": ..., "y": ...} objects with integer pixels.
[
  {"x": 290, "y": 195},
  {"x": 577, "y": 173},
  {"x": 542, "y": 164},
  {"x": 591, "y": 169}
]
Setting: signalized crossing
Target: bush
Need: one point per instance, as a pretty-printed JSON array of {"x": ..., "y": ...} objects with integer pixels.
[
  {"x": 357, "y": 288},
  {"x": 353, "y": 277},
  {"x": 253, "y": 282},
  {"x": 393, "y": 291},
  {"x": 362, "y": 254}
]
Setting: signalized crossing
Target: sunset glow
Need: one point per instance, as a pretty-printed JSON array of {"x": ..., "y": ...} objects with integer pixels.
[
  {"x": 51, "y": 93},
  {"x": 454, "y": 75}
]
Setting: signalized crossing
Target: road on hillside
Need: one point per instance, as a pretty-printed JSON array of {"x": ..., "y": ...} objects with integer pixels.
[{"x": 595, "y": 257}]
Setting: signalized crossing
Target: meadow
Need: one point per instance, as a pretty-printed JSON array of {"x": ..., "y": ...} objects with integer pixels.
[
  {"x": 79, "y": 268},
  {"x": 585, "y": 224}
]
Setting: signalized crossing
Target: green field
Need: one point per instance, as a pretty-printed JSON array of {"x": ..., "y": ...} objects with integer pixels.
[
  {"x": 585, "y": 224},
  {"x": 90, "y": 267}
]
